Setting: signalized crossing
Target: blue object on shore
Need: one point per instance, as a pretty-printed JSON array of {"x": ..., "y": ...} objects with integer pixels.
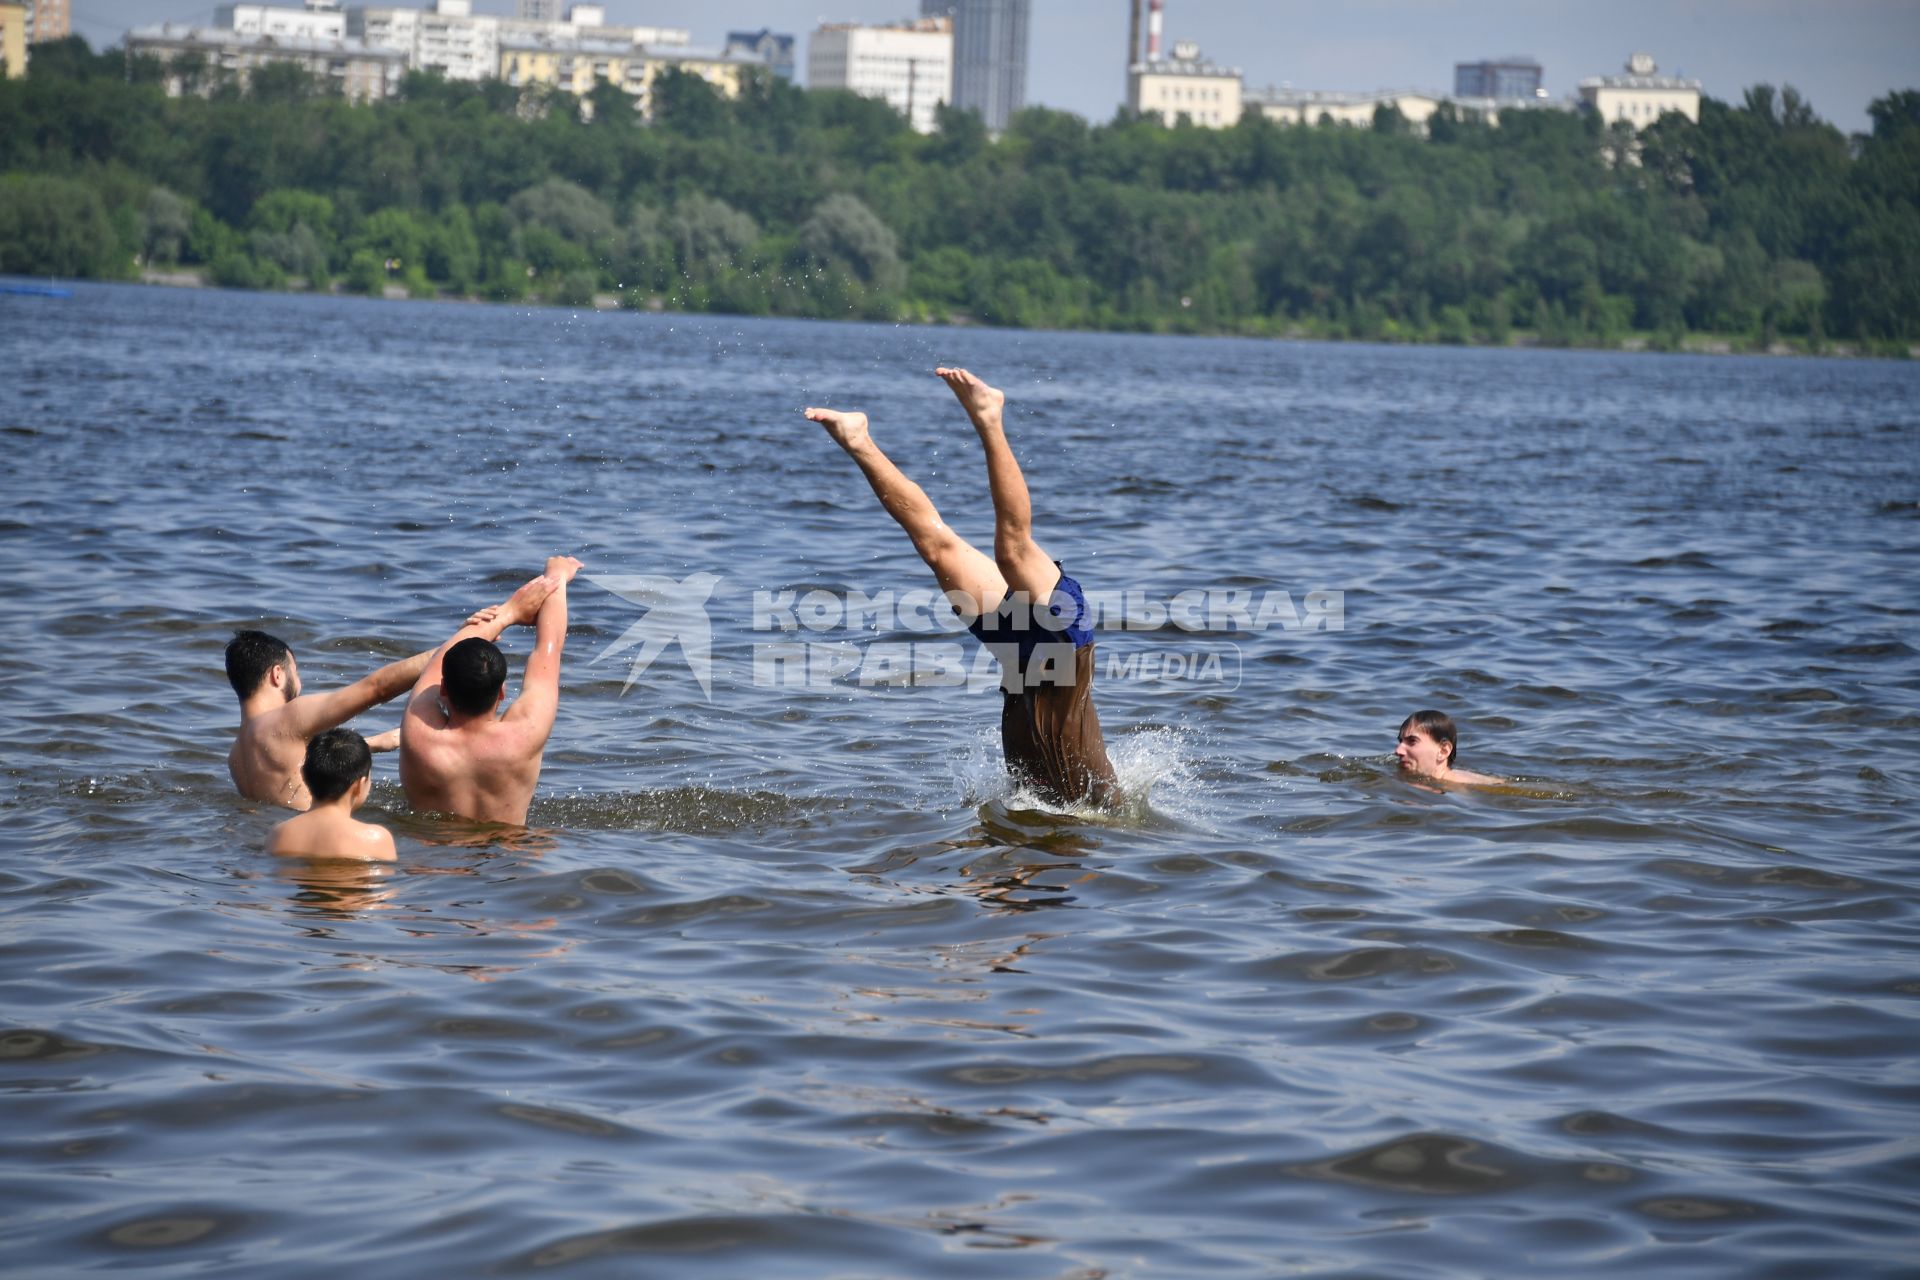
[{"x": 36, "y": 290}]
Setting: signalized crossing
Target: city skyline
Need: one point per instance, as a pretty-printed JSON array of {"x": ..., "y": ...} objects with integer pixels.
[{"x": 1852, "y": 52}]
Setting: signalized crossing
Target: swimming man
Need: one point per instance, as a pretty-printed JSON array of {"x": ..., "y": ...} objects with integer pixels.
[
  {"x": 338, "y": 771},
  {"x": 1426, "y": 747},
  {"x": 1049, "y": 731},
  {"x": 456, "y": 755}
]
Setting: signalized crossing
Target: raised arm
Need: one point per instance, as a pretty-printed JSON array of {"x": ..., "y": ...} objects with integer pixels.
[
  {"x": 314, "y": 713},
  {"x": 539, "y": 699},
  {"x": 521, "y": 607}
]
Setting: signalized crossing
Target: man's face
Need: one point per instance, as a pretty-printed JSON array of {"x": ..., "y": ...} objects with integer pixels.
[
  {"x": 1419, "y": 753},
  {"x": 292, "y": 686}
]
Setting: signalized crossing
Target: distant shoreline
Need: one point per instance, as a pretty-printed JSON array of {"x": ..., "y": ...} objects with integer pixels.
[{"x": 1692, "y": 344}]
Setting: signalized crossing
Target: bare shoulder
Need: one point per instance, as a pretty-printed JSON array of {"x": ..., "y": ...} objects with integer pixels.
[
  {"x": 376, "y": 843},
  {"x": 512, "y": 737},
  {"x": 1471, "y": 779}
]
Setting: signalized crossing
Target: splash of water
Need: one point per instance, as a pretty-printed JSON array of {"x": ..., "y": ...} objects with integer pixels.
[{"x": 1159, "y": 772}]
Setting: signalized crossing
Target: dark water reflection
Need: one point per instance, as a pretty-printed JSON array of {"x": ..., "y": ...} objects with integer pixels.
[{"x": 784, "y": 982}]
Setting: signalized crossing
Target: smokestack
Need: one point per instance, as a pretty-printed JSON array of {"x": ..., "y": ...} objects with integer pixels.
[
  {"x": 1133, "y": 36},
  {"x": 1153, "y": 30}
]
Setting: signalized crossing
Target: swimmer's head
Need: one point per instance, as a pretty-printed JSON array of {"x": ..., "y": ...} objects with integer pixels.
[
  {"x": 472, "y": 676},
  {"x": 251, "y": 658},
  {"x": 1427, "y": 742},
  {"x": 337, "y": 761}
]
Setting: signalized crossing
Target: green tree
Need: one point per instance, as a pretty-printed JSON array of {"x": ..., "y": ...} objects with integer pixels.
[
  {"x": 366, "y": 273},
  {"x": 709, "y": 236},
  {"x": 843, "y": 232},
  {"x": 166, "y": 220},
  {"x": 57, "y": 227}
]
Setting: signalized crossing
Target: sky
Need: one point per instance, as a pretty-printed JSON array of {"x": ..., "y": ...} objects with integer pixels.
[{"x": 1840, "y": 54}]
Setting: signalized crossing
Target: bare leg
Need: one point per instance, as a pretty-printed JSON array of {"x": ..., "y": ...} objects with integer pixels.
[
  {"x": 1022, "y": 563},
  {"x": 958, "y": 566}
]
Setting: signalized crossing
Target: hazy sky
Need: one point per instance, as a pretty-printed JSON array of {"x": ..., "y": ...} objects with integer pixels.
[{"x": 1840, "y": 54}]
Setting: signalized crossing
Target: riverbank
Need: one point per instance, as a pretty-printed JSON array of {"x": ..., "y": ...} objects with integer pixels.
[{"x": 1705, "y": 344}]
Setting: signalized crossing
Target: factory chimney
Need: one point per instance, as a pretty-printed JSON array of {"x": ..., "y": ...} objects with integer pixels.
[
  {"x": 1133, "y": 36},
  {"x": 1153, "y": 30}
]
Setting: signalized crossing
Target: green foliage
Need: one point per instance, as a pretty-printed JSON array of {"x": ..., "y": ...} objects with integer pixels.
[
  {"x": 298, "y": 252},
  {"x": 366, "y": 273},
  {"x": 57, "y": 227},
  {"x": 709, "y": 236},
  {"x": 574, "y": 289},
  {"x": 166, "y": 221},
  {"x": 843, "y": 232},
  {"x": 282, "y": 82},
  {"x": 284, "y": 210},
  {"x": 1759, "y": 221},
  {"x": 234, "y": 269},
  {"x": 560, "y": 226}
]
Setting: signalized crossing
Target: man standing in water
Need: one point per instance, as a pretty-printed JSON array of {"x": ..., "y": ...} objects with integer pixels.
[
  {"x": 277, "y": 719},
  {"x": 456, "y": 755},
  {"x": 1049, "y": 730}
]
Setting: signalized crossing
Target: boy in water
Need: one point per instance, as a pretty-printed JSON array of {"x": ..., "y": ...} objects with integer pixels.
[
  {"x": 1049, "y": 731},
  {"x": 338, "y": 772},
  {"x": 1426, "y": 748}
]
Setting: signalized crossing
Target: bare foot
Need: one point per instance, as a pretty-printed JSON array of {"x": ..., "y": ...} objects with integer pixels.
[
  {"x": 523, "y": 606},
  {"x": 981, "y": 401},
  {"x": 849, "y": 430},
  {"x": 560, "y": 569}
]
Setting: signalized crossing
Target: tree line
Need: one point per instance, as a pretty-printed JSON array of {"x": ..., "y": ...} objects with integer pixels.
[{"x": 1760, "y": 221}]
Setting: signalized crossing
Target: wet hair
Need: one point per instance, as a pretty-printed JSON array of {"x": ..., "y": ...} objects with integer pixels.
[
  {"x": 472, "y": 675},
  {"x": 1437, "y": 725},
  {"x": 335, "y": 761},
  {"x": 250, "y": 655}
]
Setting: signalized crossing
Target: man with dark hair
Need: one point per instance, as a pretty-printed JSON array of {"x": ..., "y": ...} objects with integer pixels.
[
  {"x": 338, "y": 771},
  {"x": 456, "y": 755},
  {"x": 1426, "y": 748},
  {"x": 277, "y": 719},
  {"x": 473, "y": 675}
]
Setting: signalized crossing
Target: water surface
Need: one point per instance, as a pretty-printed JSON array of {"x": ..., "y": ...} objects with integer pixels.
[{"x": 785, "y": 982}]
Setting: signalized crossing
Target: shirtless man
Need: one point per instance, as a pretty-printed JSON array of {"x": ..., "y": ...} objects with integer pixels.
[
  {"x": 338, "y": 772},
  {"x": 277, "y": 719},
  {"x": 1049, "y": 731},
  {"x": 1426, "y": 748},
  {"x": 456, "y": 755}
]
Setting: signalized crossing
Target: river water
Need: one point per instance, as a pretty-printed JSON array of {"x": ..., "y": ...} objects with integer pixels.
[{"x": 784, "y": 981}]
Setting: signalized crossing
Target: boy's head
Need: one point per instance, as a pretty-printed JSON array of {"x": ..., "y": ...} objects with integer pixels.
[
  {"x": 472, "y": 675},
  {"x": 251, "y": 658},
  {"x": 336, "y": 762}
]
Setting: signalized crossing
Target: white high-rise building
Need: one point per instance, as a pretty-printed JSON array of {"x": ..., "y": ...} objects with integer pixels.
[
  {"x": 447, "y": 38},
  {"x": 989, "y": 55},
  {"x": 319, "y": 20},
  {"x": 909, "y": 65}
]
